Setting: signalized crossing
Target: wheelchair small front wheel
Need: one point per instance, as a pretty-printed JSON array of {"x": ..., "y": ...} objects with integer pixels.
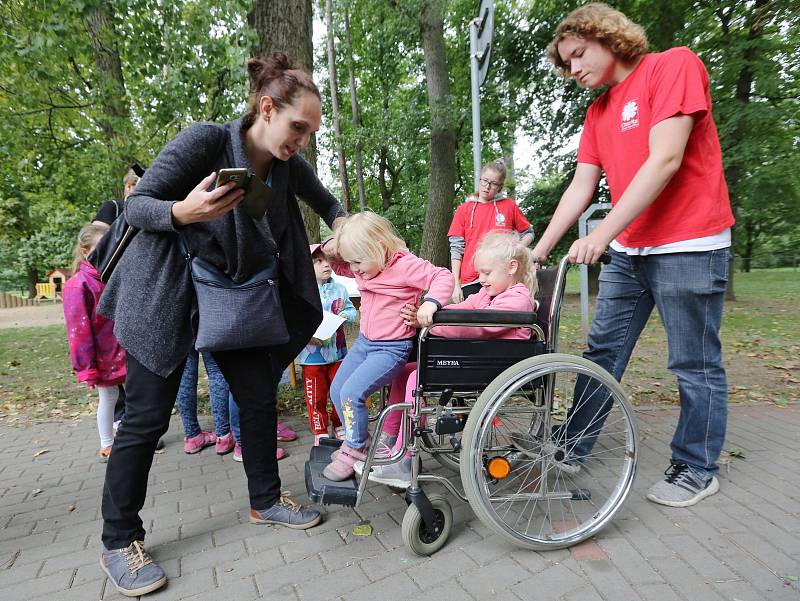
[
  {"x": 419, "y": 539},
  {"x": 552, "y": 452}
]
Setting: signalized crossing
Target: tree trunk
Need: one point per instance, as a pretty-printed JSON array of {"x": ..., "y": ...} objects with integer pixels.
[
  {"x": 744, "y": 86},
  {"x": 285, "y": 25},
  {"x": 31, "y": 279},
  {"x": 362, "y": 196},
  {"x": 337, "y": 126},
  {"x": 111, "y": 87},
  {"x": 439, "y": 211},
  {"x": 507, "y": 145}
]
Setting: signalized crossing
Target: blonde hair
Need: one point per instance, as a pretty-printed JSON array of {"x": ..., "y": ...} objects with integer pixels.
[
  {"x": 87, "y": 240},
  {"x": 369, "y": 236},
  {"x": 503, "y": 246},
  {"x": 130, "y": 178},
  {"x": 625, "y": 39}
]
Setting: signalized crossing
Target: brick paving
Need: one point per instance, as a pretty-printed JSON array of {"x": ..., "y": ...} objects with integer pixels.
[{"x": 741, "y": 544}]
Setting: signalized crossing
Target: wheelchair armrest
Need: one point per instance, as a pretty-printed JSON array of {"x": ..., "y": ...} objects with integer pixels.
[{"x": 487, "y": 316}]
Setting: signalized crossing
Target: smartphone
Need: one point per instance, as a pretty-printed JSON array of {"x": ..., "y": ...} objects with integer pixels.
[{"x": 238, "y": 175}]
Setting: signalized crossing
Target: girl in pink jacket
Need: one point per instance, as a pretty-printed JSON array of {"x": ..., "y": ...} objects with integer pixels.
[
  {"x": 508, "y": 283},
  {"x": 389, "y": 277},
  {"x": 97, "y": 357}
]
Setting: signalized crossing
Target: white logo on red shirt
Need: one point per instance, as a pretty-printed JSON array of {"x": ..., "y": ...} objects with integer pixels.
[{"x": 630, "y": 119}]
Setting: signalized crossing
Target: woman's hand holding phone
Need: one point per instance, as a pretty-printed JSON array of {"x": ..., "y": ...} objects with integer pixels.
[{"x": 201, "y": 205}]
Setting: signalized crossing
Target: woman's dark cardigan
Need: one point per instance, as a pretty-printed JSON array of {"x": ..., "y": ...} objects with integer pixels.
[{"x": 150, "y": 296}]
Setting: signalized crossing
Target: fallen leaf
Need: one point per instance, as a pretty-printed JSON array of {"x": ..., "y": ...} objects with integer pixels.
[
  {"x": 42, "y": 452},
  {"x": 362, "y": 529},
  {"x": 36, "y": 491}
]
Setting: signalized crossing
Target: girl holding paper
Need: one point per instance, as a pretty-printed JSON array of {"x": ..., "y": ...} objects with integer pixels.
[{"x": 321, "y": 359}]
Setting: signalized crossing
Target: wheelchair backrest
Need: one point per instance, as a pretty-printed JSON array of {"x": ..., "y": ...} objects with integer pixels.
[
  {"x": 546, "y": 278},
  {"x": 469, "y": 365}
]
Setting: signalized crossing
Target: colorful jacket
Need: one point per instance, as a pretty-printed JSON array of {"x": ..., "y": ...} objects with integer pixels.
[
  {"x": 97, "y": 357},
  {"x": 515, "y": 298},
  {"x": 334, "y": 300},
  {"x": 401, "y": 282}
]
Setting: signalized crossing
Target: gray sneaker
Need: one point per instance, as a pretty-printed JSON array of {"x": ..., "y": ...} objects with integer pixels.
[
  {"x": 682, "y": 487},
  {"x": 132, "y": 570},
  {"x": 397, "y": 474},
  {"x": 287, "y": 513}
]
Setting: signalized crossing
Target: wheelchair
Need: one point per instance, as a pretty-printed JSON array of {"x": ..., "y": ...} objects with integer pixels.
[{"x": 542, "y": 445}]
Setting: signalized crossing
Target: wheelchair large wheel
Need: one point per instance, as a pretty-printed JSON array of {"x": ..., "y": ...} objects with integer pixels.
[
  {"x": 414, "y": 533},
  {"x": 549, "y": 452}
]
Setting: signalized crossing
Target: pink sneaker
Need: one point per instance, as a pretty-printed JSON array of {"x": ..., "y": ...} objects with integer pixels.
[
  {"x": 225, "y": 444},
  {"x": 285, "y": 433},
  {"x": 341, "y": 468},
  {"x": 195, "y": 444},
  {"x": 237, "y": 453}
]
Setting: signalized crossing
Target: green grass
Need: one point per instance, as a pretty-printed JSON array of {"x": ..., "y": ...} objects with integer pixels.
[{"x": 761, "y": 335}]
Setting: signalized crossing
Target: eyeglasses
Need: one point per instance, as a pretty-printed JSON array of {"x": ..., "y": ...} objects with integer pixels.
[{"x": 490, "y": 183}]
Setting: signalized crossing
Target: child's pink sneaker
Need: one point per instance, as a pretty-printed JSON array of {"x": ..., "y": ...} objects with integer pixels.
[
  {"x": 341, "y": 467},
  {"x": 237, "y": 453},
  {"x": 225, "y": 444},
  {"x": 195, "y": 444},
  {"x": 285, "y": 433}
]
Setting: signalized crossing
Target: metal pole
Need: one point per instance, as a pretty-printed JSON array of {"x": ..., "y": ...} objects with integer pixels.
[{"x": 476, "y": 99}]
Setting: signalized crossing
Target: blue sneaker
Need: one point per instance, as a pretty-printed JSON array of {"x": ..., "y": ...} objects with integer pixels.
[
  {"x": 285, "y": 512},
  {"x": 132, "y": 570}
]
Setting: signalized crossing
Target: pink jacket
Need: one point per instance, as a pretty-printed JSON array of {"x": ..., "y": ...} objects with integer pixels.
[
  {"x": 515, "y": 298},
  {"x": 96, "y": 356},
  {"x": 402, "y": 280}
]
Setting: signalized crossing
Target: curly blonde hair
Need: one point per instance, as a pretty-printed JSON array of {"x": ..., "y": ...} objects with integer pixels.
[{"x": 625, "y": 39}]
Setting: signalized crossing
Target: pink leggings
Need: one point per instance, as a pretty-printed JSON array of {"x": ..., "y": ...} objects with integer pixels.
[{"x": 402, "y": 390}]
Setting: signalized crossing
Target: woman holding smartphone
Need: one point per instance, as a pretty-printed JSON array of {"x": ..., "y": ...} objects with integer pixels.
[{"x": 150, "y": 297}]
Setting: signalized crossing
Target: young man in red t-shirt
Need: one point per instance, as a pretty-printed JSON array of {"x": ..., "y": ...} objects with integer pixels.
[
  {"x": 482, "y": 212},
  {"x": 652, "y": 134}
]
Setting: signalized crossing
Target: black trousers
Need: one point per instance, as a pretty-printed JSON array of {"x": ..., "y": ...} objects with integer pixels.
[
  {"x": 470, "y": 289},
  {"x": 253, "y": 375}
]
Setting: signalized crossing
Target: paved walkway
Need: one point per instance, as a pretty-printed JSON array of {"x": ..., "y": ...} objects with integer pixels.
[{"x": 742, "y": 544}]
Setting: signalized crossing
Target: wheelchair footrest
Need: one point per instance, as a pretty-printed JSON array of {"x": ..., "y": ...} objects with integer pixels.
[{"x": 320, "y": 489}]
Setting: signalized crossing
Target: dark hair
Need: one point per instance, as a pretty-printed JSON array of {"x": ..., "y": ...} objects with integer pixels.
[{"x": 276, "y": 77}]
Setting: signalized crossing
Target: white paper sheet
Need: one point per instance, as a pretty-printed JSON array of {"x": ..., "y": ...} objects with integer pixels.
[{"x": 330, "y": 323}]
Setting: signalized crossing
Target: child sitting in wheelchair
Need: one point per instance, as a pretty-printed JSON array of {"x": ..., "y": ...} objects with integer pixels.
[
  {"x": 508, "y": 283},
  {"x": 389, "y": 277}
]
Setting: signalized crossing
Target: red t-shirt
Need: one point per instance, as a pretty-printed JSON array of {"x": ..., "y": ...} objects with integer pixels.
[
  {"x": 473, "y": 219},
  {"x": 616, "y": 134}
]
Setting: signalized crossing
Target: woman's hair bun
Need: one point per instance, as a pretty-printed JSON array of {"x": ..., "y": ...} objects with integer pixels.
[{"x": 254, "y": 67}]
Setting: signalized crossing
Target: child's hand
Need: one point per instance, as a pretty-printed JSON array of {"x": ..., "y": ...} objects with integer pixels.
[
  {"x": 425, "y": 313},
  {"x": 329, "y": 248},
  {"x": 409, "y": 315}
]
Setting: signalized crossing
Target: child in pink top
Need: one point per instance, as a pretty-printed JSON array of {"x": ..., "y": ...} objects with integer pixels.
[
  {"x": 389, "y": 277},
  {"x": 97, "y": 357},
  {"x": 508, "y": 283}
]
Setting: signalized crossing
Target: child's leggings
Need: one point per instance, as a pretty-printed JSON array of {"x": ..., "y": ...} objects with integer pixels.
[
  {"x": 105, "y": 414},
  {"x": 316, "y": 385},
  {"x": 368, "y": 365}
]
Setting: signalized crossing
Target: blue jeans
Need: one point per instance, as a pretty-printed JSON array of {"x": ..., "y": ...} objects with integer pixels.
[
  {"x": 689, "y": 290},
  {"x": 217, "y": 392},
  {"x": 368, "y": 366},
  {"x": 233, "y": 411}
]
